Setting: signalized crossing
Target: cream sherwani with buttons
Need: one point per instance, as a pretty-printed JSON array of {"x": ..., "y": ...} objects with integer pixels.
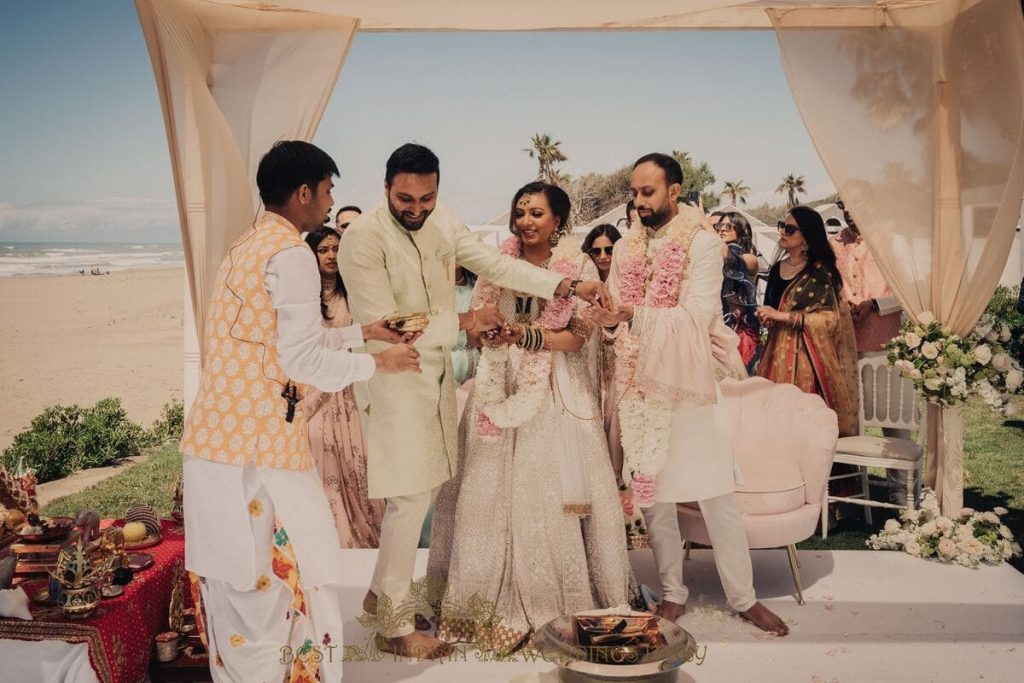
[{"x": 412, "y": 447}]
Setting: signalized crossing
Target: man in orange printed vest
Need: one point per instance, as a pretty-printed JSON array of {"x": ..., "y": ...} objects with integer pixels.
[{"x": 259, "y": 532}]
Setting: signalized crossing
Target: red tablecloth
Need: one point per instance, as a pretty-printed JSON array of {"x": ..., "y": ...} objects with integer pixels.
[{"x": 120, "y": 632}]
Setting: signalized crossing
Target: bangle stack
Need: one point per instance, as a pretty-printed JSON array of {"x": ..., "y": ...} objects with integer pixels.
[{"x": 532, "y": 339}]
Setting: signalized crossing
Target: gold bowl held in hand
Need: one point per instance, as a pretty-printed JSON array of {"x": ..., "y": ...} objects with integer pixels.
[{"x": 411, "y": 322}]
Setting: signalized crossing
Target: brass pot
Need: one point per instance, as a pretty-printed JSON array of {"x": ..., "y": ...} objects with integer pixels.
[{"x": 79, "y": 603}]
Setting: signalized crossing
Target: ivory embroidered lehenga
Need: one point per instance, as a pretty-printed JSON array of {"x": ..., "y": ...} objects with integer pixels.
[
  {"x": 339, "y": 452},
  {"x": 532, "y": 522}
]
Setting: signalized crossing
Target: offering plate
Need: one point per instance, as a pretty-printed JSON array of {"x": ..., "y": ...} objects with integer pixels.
[
  {"x": 412, "y": 322},
  {"x": 557, "y": 641}
]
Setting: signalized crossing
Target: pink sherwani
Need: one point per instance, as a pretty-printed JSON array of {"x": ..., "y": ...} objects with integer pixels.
[{"x": 862, "y": 281}]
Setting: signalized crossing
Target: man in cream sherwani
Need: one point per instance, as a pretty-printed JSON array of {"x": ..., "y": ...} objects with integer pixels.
[
  {"x": 698, "y": 464},
  {"x": 400, "y": 258}
]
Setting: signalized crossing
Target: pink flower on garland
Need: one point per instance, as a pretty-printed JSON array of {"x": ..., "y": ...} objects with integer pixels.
[
  {"x": 643, "y": 490},
  {"x": 512, "y": 247},
  {"x": 631, "y": 285},
  {"x": 665, "y": 284},
  {"x": 484, "y": 426},
  {"x": 557, "y": 312}
]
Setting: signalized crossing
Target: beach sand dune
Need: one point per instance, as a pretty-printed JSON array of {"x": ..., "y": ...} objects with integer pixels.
[{"x": 77, "y": 339}]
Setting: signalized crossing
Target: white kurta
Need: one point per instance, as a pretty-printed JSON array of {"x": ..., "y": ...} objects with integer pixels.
[
  {"x": 699, "y": 464},
  {"x": 411, "y": 441}
]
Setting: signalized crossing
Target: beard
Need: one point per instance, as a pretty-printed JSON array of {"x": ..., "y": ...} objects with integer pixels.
[
  {"x": 404, "y": 221},
  {"x": 655, "y": 218}
]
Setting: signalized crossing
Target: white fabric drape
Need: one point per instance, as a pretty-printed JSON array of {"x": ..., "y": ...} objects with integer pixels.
[
  {"x": 232, "y": 81},
  {"x": 920, "y": 123}
]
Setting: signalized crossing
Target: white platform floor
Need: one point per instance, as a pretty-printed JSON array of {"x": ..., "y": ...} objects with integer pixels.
[{"x": 869, "y": 616}]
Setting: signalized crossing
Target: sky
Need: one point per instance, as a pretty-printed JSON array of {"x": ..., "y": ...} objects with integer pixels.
[{"x": 84, "y": 154}]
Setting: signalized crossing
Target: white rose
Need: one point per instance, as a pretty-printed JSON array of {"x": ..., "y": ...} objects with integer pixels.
[
  {"x": 913, "y": 548},
  {"x": 891, "y": 525},
  {"x": 992, "y": 337},
  {"x": 983, "y": 354},
  {"x": 1004, "y": 333},
  {"x": 912, "y": 340},
  {"x": 990, "y": 517},
  {"x": 928, "y": 528},
  {"x": 925, "y": 318},
  {"x": 1005, "y": 532},
  {"x": 964, "y": 533},
  {"x": 1000, "y": 510},
  {"x": 1014, "y": 378},
  {"x": 944, "y": 525},
  {"x": 1001, "y": 362},
  {"x": 930, "y": 350},
  {"x": 973, "y": 547},
  {"x": 933, "y": 384},
  {"x": 911, "y": 515},
  {"x": 915, "y": 374}
]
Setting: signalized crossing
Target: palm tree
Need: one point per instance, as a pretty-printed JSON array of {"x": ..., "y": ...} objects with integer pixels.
[
  {"x": 737, "y": 191},
  {"x": 792, "y": 185},
  {"x": 547, "y": 152}
]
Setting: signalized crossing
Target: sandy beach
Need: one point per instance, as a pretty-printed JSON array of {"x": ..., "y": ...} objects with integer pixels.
[{"x": 77, "y": 339}]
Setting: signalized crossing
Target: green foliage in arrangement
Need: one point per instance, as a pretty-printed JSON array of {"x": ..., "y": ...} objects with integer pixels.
[
  {"x": 1003, "y": 307},
  {"x": 64, "y": 439}
]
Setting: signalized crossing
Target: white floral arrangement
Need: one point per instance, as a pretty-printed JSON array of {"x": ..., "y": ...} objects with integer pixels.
[
  {"x": 968, "y": 539},
  {"x": 947, "y": 368}
]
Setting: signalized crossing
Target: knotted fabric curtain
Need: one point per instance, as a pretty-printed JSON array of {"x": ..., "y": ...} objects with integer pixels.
[{"x": 919, "y": 119}]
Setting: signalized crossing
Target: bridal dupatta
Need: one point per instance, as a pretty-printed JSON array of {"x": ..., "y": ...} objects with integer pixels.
[{"x": 820, "y": 357}]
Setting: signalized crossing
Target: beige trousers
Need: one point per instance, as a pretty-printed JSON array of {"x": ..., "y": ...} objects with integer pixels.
[
  {"x": 728, "y": 539},
  {"x": 396, "y": 560}
]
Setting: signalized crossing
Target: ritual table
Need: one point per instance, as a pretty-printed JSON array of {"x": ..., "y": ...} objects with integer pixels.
[{"x": 116, "y": 640}]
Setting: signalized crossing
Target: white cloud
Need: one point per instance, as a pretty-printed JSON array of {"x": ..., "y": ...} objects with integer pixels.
[{"x": 113, "y": 219}]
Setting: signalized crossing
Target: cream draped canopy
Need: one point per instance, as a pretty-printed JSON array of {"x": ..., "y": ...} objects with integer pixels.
[{"x": 916, "y": 108}]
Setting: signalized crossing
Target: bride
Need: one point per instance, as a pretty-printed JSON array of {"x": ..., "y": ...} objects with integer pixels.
[{"x": 531, "y": 526}]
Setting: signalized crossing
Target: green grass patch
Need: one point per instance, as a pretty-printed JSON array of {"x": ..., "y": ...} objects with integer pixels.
[
  {"x": 147, "y": 483},
  {"x": 993, "y": 476}
]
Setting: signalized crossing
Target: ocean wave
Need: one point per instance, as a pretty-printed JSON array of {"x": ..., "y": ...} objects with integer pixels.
[{"x": 23, "y": 260}]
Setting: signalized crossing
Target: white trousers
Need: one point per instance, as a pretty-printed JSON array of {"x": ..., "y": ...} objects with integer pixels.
[
  {"x": 728, "y": 540},
  {"x": 253, "y": 631},
  {"x": 396, "y": 560}
]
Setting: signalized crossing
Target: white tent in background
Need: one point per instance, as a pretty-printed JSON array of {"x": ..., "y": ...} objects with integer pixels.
[
  {"x": 896, "y": 95},
  {"x": 612, "y": 216}
]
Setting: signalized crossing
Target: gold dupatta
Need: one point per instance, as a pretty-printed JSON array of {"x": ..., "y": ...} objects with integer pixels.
[{"x": 821, "y": 356}]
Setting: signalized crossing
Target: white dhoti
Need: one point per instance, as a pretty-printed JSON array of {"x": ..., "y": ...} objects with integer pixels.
[{"x": 264, "y": 546}]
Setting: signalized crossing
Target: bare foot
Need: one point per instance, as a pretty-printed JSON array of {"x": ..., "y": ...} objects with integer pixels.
[
  {"x": 370, "y": 607},
  {"x": 670, "y": 610},
  {"x": 765, "y": 619},
  {"x": 415, "y": 646}
]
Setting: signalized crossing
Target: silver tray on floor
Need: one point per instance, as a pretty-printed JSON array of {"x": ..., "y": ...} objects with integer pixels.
[{"x": 556, "y": 641}]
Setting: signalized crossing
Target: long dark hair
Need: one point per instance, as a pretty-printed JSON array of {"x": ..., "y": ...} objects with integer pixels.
[
  {"x": 604, "y": 230},
  {"x": 314, "y": 239},
  {"x": 744, "y": 235},
  {"x": 558, "y": 200},
  {"x": 812, "y": 227}
]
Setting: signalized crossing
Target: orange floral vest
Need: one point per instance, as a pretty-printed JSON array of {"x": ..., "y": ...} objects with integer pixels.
[{"x": 238, "y": 416}]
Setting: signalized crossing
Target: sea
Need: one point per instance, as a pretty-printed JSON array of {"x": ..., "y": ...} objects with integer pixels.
[{"x": 24, "y": 259}]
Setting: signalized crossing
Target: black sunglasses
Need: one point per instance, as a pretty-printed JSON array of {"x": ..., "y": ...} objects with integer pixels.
[
  {"x": 596, "y": 251},
  {"x": 787, "y": 228},
  {"x": 841, "y": 204}
]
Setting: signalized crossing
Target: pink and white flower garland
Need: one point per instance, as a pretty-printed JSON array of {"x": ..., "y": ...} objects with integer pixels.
[
  {"x": 498, "y": 410},
  {"x": 646, "y": 421}
]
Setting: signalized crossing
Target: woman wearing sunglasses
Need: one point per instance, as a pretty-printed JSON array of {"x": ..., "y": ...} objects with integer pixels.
[
  {"x": 598, "y": 246},
  {"x": 810, "y": 331},
  {"x": 739, "y": 291}
]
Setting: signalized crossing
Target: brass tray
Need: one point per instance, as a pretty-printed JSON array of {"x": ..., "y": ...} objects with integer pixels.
[
  {"x": 411, "y": 322},
  {"x": 149, "y": 541}
]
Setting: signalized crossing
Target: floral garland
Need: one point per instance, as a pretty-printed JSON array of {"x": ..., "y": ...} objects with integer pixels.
[
  {"x": 646, "y": 421},
  {"x": 498, "y": 410},
  {"x": 966, "y": 539}
]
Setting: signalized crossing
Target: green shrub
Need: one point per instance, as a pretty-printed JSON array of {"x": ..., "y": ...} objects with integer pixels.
[
  {"x": 1003, "y": 305},
  {"x": 64, "y": 439},
  {"x": 170, "y": 424}
]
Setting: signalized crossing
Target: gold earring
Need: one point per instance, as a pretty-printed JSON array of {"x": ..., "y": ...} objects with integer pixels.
[{"x": 553, "y": 239}]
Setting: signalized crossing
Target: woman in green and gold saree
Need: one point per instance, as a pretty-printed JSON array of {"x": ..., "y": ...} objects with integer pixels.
[{"x": 811, "y": 341}]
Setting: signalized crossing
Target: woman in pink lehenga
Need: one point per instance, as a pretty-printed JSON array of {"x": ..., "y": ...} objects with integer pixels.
[{"x": 335, "y": 433}]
